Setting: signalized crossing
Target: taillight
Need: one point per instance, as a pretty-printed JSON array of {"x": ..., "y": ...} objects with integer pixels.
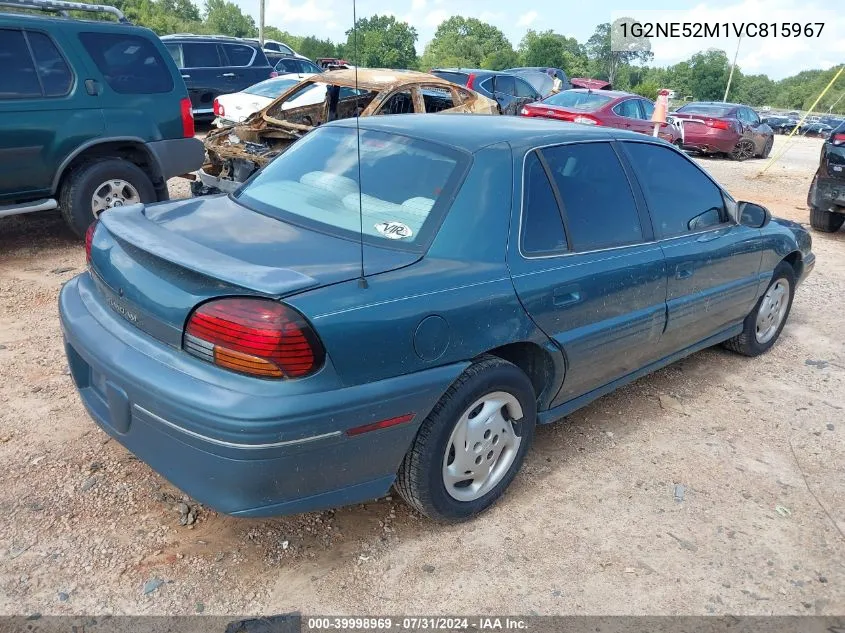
[
  {"x": 470, "y": 81},
  {"x": 89, "y": 238},
  {"x": 187, "y": 118},
  {"x": 218, "y": 108},
  {"x": 719, "y": 125},
  {"x": 586, "y": 120},
  {"x": 273, "y": 74},
  {"x": 252, "y": 336},
  {"x": 837, "y": 139},
  {"x": 524, "y": 112}
]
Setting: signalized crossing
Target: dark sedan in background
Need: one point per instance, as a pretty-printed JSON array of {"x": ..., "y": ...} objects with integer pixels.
[
  {"x": 724, "y": 128},
  {"x": 826, "y": 198},
  {"x": 510, "y": 91}
]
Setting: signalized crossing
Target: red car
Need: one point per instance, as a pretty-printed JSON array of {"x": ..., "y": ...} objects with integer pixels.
[
  {"x": 610, "y": 108},
  {"x": 724, "y": 128}
]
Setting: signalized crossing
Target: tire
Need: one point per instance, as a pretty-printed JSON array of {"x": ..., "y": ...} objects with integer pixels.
[
  {"x": 77, "y": 191},
  {"x": 421, "y": 479},
  {"x": 826, "y": 221},
  {"x": 743, "y": 150},
  {"x": 767, "y": 148},
  {"x": 749, "y": 343}
]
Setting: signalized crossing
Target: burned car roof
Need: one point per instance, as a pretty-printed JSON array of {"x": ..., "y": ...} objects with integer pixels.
[{"x": 236, "y": 152}]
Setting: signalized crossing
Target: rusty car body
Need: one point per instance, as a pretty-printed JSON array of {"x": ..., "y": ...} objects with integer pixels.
[{"x": 234, "y": 153}]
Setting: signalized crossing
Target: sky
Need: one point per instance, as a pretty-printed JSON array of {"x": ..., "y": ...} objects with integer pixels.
[{"x": 776, "y": 57}]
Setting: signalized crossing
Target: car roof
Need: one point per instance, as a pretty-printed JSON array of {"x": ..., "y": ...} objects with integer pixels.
[
  {"x": 474, "y": 71},
  {"x": 716, "y": 103},
  {"x": 190, "y": 37},
  {"x": 471, "y": 132}
]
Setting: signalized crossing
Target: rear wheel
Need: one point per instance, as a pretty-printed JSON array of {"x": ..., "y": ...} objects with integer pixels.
[
  {"x": 763, "y": 325},
  {"x": 472, "y": 444},
  {"x": 743, "y": 150},
  {"x": 99, "y": 185},
  {"x": 826, "y": 221}
]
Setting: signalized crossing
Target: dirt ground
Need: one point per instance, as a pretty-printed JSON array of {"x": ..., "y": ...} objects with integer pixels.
[{"x": 713, "y": 486}]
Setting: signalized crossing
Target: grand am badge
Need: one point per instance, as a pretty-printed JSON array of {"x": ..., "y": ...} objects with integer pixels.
[{"x": 394, "y": 230}]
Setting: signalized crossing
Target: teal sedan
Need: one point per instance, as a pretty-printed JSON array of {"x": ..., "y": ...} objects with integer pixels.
[{"x": 401, "y": 305}]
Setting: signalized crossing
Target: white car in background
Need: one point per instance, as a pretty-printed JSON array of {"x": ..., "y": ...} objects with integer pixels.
[{"x": 236, "y": 107}]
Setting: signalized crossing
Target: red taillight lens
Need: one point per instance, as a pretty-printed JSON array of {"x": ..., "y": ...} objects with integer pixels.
[
  {"x": 585, "y": 120},
  {"x": 258, "y": 337},
  {"x": 218, "y": 108},
  {"x": 719, "y": 125},
  {"x": 837, "y": 139},
  {"x": 89, "y": 238},
  {"x": 470, "y": 81},
  {"x": 273, "y": 74},
  {"x": 187, "y": 111}
]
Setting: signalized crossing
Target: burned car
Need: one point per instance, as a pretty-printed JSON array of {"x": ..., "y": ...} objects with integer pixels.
[{"x": 234, "y": 153}]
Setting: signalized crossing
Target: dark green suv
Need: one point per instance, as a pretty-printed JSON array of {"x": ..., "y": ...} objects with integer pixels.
[{"x": 93, "y": 114}]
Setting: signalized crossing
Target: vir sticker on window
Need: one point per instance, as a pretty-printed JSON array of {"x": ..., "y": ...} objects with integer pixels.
[{"x": 394, "y": 230}]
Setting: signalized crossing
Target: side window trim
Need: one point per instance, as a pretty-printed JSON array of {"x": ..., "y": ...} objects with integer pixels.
[
  {"x": 648, "y": 234},
  {"x": 656, "y": 236},
  {"x": 229, "y": 60},
  {"x": 63, "y": 57}
]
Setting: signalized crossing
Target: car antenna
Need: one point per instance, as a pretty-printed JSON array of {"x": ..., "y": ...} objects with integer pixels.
[{"x": 362, "y": 280}]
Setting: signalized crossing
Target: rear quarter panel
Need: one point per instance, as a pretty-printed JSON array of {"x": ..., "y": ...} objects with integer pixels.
[{"x": 461, "y": 288}]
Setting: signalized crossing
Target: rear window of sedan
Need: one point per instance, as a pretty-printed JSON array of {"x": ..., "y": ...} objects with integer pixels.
[
  {"x": 406, "y": 185},
  {"x": 271, "y": 88},
  {"x": 581, "y": 101},
  {"x": 707, "y": 109}
]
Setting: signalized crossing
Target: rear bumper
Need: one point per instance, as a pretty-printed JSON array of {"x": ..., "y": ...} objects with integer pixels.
[
  {"x": 241, "y": 446},
  {"x": 709, "y": 139},
  {"x": 178, "y": 156},
  {"x": 827, "y": 193}
]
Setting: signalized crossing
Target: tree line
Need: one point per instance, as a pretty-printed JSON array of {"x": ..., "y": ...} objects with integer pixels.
[{"x": 384, "y": 42}]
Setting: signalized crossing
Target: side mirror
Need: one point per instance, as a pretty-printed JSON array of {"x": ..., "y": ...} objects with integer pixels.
[{"x": 752, "y": 215}]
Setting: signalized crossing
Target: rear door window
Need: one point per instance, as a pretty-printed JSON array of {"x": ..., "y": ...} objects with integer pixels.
[
  {"x": 56, "y": 78},
  {"x": 201, "y": 55},
  {"x": 598, "y": 203},
  {"x": 680, "y": 197},
  {"x": 238, "y": 54},
  {"x": 400, "y": 102},
  {"x": 648, "y": 109},
  {"x": 437, "y": 98},
  {"x": 505, "y": 84},
  {"x": 524, "y": 89},
  {"x": 18, "y": 78},
  {"x": 629, "y": 109},
  {"x": 542, "y": 225},
  {"x": 129, "y": 64}
]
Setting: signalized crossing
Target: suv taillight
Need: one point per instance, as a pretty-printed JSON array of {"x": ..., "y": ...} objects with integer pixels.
[
  {"x": 837, "y": 139},
  {"x": 273, "y": 74},
  {"x": 187, "y": 113},
  {"x": 89, "y": 238},
  {"x": 470, "y": 81},
  {"x": 219, "y": 110},
  {"x": 253, "y": 336}
]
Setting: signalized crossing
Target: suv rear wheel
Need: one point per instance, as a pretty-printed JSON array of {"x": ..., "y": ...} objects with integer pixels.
[
  {"x": 102, "y": 184},
  {"x": 826, "y": 221}
]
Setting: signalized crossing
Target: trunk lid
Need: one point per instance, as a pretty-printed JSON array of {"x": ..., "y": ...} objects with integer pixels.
[{"x": 154, "y": 265}]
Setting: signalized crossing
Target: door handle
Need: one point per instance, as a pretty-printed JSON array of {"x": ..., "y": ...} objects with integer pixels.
[
  {"x": 186, "y": 76},
  {"x": 566, "y": 296},
  {"x": 92, "y": 87},
  {"x": 684, "y": 271},
  {"x": 228, "y": 74}
]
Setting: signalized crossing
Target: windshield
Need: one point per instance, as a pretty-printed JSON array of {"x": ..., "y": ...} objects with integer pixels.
[
  {"x": 271, "y": 88},
  {"x": 706, "y": 109},
  {"x": 581, "y": 101},
  {"x": 405, "y": 186}
]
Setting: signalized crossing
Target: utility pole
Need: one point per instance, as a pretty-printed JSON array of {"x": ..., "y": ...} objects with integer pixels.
[
  {"x": 730, "y": 77},
  {"x": 261, "y": 22}
]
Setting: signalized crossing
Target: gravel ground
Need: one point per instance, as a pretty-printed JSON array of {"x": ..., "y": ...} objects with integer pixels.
[{"x": 713, "y": 486}]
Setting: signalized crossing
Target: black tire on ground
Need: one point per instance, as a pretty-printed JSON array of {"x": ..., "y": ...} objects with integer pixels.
[
  {"x": 79, "y": 187},
  {"x": 746, "y": 342},
  {"x": 743, "y": 150},
  {"x": 420, "y": 477},
  {"x": 826, "y": 221},
  {"x": 767, "y": 148}
]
